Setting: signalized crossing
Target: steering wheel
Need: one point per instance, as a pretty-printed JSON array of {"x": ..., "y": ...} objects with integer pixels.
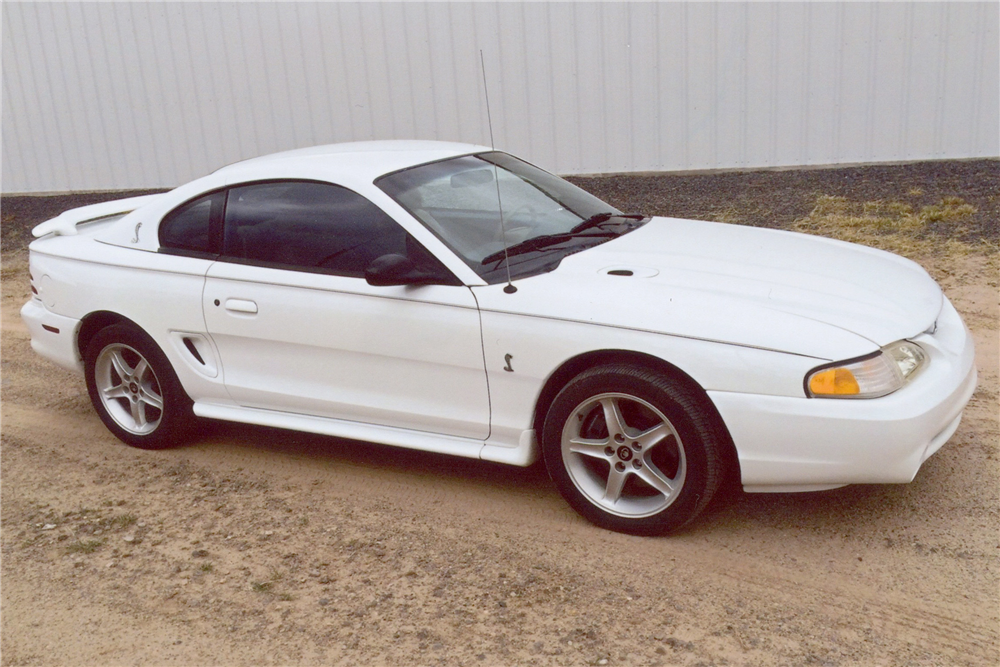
[
  {"x": 517, "y": 230},
  {"x": 524, "y": 211}
]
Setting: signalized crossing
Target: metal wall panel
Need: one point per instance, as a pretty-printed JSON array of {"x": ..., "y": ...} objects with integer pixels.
[{"x": 130, "y": 95}]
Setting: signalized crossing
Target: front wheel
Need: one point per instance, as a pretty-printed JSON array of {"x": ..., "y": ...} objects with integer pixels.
[
  {"x": 632, "y": 450},
  {"x": 134, "y": 390}
]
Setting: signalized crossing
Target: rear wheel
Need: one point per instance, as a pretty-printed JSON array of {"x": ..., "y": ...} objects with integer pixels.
[
  {"x": 632, "y": 450},
  {"x": 134, "y": 389}
]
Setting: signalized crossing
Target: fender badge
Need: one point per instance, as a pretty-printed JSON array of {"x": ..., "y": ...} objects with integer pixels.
[
  {"x": 137, "y": 226},
  {"x": 507, "y": 358}
]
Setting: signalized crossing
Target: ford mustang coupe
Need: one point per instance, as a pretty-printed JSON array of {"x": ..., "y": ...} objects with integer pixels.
[{"x": 452, "y": 298}]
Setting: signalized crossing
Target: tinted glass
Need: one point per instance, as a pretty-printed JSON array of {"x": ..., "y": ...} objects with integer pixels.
[
  {"x": 311, "y": 226},
  {"x": 189, "y": 227}
]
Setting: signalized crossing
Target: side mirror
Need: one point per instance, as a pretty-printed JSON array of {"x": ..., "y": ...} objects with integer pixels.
[
  {"x": 389, "y": 270},
  {"x": 397, "y": 270}
]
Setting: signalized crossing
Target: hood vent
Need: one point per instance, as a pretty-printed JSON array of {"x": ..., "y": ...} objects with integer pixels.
[{"x": 629, "y": 271}]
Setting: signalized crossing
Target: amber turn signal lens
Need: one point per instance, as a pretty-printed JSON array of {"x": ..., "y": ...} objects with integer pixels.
[{"x": 834, "y": 382}]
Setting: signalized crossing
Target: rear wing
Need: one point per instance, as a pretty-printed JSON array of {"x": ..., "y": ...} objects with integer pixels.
[{"x": 65, "y": 223}]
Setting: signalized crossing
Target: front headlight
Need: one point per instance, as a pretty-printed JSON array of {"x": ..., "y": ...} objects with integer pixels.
[{"x": 867, "y": 377}]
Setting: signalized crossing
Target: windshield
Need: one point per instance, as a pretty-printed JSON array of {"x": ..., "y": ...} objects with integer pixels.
[{"x": 457, "y": 200}]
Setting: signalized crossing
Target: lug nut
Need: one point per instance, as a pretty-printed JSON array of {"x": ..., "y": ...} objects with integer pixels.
[
  {"x": 609, "y": 451},
  {"x": 619, "y": 437},
  {"x": 620, "y": 467},
  {"x": 636, "y": 446},
  {"x": 637, "y": 463}
]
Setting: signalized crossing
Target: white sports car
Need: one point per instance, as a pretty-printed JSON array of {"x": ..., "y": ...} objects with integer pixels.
[{"x": 455, "y": 299}]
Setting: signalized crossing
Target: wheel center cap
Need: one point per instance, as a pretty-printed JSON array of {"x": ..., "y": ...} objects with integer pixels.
[
  {"x": 624, "y": 453},
  {"x": 133, "y": 387}
]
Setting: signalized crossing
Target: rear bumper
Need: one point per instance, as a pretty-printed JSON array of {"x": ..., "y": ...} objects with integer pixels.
[
  {"x": 802, "y": 444},
  {"x": 52, "y": 336}
]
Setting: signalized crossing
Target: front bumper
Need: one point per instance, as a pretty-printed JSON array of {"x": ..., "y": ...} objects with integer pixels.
[
  {"x": 52, "y": 336},
  {"x": 807, "y": 444}
]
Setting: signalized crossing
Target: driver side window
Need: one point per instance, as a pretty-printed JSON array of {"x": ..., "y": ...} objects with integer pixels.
[{"x": 310, "y": 226}]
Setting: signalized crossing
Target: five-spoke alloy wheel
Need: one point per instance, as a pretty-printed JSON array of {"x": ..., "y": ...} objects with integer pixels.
[
  {"x": 128, "y": 389},
  {"x": 134, "y": 389},
  {"x": 624, "y": 455},
  {"x": 633, "y": 450}
]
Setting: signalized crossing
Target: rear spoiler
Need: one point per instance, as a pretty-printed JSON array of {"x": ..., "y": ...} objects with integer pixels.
[{"x": 65, "y": 223}]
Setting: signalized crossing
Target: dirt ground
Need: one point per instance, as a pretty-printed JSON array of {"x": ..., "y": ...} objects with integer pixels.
[{"x": 259, "y": 546}]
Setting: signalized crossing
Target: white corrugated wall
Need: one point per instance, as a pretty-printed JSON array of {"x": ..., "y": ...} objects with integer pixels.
[{"x": 130, "y": 95}]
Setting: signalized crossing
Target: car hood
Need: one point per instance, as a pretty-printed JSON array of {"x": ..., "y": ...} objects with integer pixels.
[{"x": 742, "y": 285}]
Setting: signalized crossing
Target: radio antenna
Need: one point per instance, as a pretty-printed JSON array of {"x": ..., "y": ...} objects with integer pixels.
[{"x": 509, "y": 289}]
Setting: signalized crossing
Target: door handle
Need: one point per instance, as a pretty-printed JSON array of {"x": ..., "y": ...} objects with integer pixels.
[{"x": 241, "y": 306}]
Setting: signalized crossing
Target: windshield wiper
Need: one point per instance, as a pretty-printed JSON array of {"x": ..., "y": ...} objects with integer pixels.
[
  {"x": 600, "y": 218},
  {"x": 539, "y": 242}
]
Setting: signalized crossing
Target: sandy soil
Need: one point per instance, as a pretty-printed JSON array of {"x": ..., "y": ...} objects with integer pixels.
[{"x": 259, "y": 546}]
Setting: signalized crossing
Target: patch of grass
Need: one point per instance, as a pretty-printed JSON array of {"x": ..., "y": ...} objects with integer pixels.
[
  {"x": 261, "y": 586},
  {"x": 123, "y": 520},
  {"x": 895, "y": 226},
  {"x": 84, "y": 546},
  {"x": 206, "y": 567},
  {"x": 730, "y": 214},
  {"x": 286, "y": 597},
  {"x": 950, "y": 209}
]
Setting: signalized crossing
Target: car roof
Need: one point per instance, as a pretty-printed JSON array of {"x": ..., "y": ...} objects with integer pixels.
[{"x": 362, "y": 159}]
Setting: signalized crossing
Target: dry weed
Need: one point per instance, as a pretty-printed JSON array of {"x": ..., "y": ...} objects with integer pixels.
[{"x": 932, "y": 235}]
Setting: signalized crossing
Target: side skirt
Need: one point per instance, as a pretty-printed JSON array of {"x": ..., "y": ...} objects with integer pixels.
[
  {"x": 790, "y": 488},
  {"x": 386, "y": 435}
]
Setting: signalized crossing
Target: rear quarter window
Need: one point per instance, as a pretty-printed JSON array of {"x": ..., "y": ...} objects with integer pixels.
[{"x": 188, "y": 228}]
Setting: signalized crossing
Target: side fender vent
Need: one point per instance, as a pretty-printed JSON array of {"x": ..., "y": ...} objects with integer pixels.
[
  {"x": 189, "y": 344},
  {"x": 197, "y": 352}
]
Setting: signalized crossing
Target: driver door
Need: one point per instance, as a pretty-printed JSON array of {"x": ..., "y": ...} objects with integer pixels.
[{"x": 300, "y": 330}]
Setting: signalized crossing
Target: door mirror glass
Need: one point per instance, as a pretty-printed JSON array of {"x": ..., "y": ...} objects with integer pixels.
[
  {"x": 390, "y": 269},
  {"x": 396, "y": 269}
]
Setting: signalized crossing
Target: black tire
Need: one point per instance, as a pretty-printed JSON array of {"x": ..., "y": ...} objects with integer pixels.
[
  {"x": 142, "y": 404},
  {"x": 652, "y": 473}
]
